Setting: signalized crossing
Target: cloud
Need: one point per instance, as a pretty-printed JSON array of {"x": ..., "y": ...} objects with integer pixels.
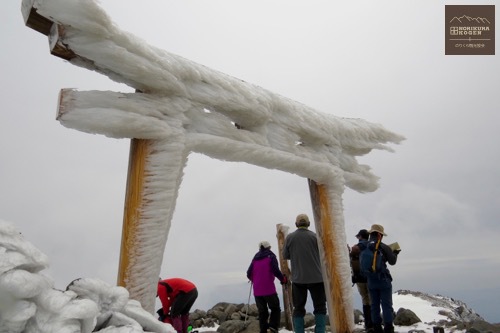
[
  {"x": 426, "y": 211},
  {"x": 438, "y": 235}
]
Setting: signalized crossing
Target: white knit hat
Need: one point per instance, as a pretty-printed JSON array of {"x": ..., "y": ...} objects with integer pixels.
[{"x": 264, "y": 244}]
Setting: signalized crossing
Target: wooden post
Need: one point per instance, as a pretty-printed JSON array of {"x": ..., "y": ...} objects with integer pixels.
[
  {"x": 139, "y": 150},
  {"x": 331, "y": 257},
  {"x": 281, "y": 232},
  {"x": 34, "y": 20}
]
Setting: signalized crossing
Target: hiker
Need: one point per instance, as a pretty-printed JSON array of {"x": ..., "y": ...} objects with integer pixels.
[
  {"x": 358, "y": 279},
  {"x": 177, "y": 296},
  {"x": 301, "y": 248},
  {"x": 380, "y": 281},
  {"x": 262, "y": 271}
]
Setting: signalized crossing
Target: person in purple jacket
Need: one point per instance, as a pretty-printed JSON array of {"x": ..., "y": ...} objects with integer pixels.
[{"x": 262, "y": 271}]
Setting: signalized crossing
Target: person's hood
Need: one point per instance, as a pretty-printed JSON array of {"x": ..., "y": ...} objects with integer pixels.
[
  {"x": 362, "y": 244},
  {"x": 263, "y": 254}
]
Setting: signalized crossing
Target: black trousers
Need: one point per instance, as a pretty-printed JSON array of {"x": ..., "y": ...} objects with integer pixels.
[
  {"x": 273, "y": 302},
  {"x": 183, "y": 303},
  {"x": 299, "y": 296}
]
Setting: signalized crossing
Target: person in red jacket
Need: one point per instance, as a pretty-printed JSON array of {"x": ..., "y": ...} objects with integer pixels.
[{"x": 177, "y": 296}]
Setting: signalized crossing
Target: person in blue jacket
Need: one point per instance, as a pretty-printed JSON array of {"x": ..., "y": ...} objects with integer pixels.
[
  {"x": 262, "y": 271},
  {"x": 380, "y": 285}
]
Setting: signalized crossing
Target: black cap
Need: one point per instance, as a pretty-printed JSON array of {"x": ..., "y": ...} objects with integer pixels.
[{"x": 363, "y": 233}]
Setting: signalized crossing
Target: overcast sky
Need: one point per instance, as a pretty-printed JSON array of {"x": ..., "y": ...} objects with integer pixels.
[{"x": 383, "y": 61}]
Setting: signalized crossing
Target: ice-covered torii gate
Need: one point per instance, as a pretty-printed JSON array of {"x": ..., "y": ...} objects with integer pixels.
[{"x": 182, "y": 107}]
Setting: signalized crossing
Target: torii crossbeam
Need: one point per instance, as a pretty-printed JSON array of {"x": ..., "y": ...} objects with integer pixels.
[{"x": 182, "y": 107}]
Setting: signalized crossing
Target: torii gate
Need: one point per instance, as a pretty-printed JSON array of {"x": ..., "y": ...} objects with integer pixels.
[{"x": 182, "y": 107}]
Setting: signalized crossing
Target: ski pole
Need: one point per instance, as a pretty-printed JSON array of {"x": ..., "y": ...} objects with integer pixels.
[{"x": 248, "y": 303}]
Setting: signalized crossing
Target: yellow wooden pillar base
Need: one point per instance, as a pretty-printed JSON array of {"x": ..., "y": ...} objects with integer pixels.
[
  {"x": 139, "y": 151},
  {"x": 341, "y": 320}
]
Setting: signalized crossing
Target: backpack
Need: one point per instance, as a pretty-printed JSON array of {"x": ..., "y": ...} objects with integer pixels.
[
  {"x": 371, "y": 261},
  {"x": 356, "y": 276}
]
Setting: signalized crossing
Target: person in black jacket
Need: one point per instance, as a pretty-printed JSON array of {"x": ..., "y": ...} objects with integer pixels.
[
  {"x": 380, "y": 285},
  {"x": 359, "y": 279}
]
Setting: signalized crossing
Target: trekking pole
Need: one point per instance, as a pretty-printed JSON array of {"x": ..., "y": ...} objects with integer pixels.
[{"x": 248, "y": 303}]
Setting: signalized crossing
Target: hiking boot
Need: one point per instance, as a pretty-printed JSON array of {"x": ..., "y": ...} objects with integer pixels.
[
  {"x": 377, "y": 328},
  {"x": 388, "y": 328},
  {"x": 367, "y": 313},
  {"x": 298, "y": 324},
  {"x": 320, "y": 321}
]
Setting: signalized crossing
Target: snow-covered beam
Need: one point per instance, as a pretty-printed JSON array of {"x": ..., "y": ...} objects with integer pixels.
[
  {"x": 316, "y": 149},
  {"x": 99, "y": 45},
  {"x": 47, "y": 27},
  {"x": 34, "y": 20}
]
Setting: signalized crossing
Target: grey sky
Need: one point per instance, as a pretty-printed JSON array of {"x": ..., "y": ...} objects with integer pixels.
[{"x": 381, "y": 61}]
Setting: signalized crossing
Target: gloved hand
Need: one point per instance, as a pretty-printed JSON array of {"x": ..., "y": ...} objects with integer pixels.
[
  {"x": 285, "y": 280},
  {"x": 161, "y": 315}
]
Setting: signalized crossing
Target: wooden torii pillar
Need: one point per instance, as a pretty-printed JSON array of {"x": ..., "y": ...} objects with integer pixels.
[
  {"x": 281, "y": 233},
  {"x": 331, "y": 257},
  {"x": 186, "y": 107}
]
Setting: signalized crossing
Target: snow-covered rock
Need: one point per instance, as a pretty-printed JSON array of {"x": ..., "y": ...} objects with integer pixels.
[
  {"x": 29, "y": 302},
  {"x": 446, "y": 307}
]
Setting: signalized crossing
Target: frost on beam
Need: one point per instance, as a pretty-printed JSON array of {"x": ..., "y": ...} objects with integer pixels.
[{"x": 314, "y": 148}]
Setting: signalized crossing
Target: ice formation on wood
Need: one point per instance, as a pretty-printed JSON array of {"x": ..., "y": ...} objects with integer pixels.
[{"x": 186, "y": 107}]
